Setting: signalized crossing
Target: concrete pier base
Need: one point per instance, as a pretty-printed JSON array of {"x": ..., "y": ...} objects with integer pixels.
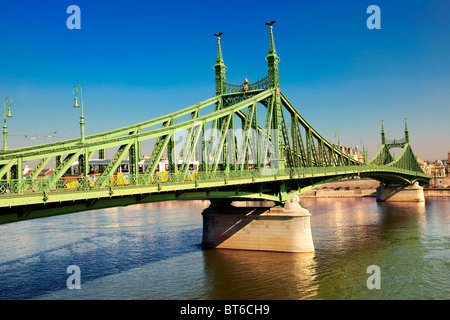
[
  {"x": 401, "y": 194},
  {"x": 280, "y": 229}
]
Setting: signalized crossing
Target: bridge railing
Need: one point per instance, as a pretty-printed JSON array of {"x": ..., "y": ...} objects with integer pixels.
[{"x": 14, "y": 187}]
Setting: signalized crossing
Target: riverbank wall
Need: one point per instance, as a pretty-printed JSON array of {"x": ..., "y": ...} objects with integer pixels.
[
  {"x": 360, "y": 188},
  {"x": 436, "y": 192}
]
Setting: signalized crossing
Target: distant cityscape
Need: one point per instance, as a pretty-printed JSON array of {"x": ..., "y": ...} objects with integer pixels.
[
  {"x": 355, "y": 153},
  {"x": 438, "y": 169}
]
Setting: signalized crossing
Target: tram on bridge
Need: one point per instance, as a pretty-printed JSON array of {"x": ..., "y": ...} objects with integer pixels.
[{"x": 122, "y": 174}]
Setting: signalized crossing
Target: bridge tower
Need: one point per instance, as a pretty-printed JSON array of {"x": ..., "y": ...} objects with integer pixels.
[
  {"x": 220, "y": 69},
  {"x": 392, "y": 191},
  {"x": 281, "y": 228},
  {"x": 221, "y": 89},
  {"x": 274, "y": 82},
  {"x": 272, "y": 61},
  {"x": 406, "y": 131}
]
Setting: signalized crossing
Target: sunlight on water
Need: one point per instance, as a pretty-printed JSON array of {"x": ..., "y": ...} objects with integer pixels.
[{"x": 153, "y": 251}]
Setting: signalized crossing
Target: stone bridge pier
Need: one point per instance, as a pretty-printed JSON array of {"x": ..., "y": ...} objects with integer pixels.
[
  {"x": 412, "y": 193},
  {"x": 248, "y": 226}
]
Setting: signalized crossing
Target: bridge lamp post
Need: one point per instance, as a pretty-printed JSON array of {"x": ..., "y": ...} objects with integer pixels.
[
  {"x": 6, "y": 115},
  {"x": 77, "y": 90}
]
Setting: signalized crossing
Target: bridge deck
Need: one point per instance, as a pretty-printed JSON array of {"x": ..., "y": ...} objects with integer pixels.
[{"x": 81, "y": 189}]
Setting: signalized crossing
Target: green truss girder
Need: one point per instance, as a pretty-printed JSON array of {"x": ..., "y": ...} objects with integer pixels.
[
  {"x": 193, "y": 139},
  {"x": 239, "y": 186},
  {"x": 61, "y": 169},
  {"x": 309, "y": 151},
  {"x": 161, "y": 143},
  {"x": 7, "y": 167},
  {"x": 38, "y": 168},
  {"x": 316, "y": 152},
  {"x": 406, "y": 159},
  {"x": 382, "y": 157},
  {"x": 115, "y": 162},
  {"x": 104, "y": 136},
  {"x": 242, "y": 156}
]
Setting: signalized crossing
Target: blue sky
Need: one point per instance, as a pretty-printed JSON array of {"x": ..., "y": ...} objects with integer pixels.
[{"x": 136, "y": 60}]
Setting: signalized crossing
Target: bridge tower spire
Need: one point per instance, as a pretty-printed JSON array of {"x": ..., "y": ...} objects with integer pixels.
[
  {"x": 406, "y": 132},
  {"x": 219, "y": 68},
  {"x": 274, "y": 83},
  {"x": 383, "y": 137},
  {"x": 272, "y": 60}
]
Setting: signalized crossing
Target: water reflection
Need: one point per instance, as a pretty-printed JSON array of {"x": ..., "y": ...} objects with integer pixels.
[
  {"x": 344, "y": 224},
  {"x": 238, "y": 274},
  {"x": 355, "y": 234},
  {"x": 391, "y": 212},
  {"x": 101, "y": 243},
  {"x": 152, "y": 251}
]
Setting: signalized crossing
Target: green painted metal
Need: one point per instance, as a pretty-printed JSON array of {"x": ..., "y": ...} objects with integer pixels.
[
  {"x": 273, "y": 160},
  {"x": 115, "y": 162},
  {"x": 77, "y": 90},
  {"x": 384, "y": 156},
  {"x": 100, "y": 137},
  {"x": 406, "y": 132},
  {"x": 8, "y": 103},
  {"x": 220, "y": 69},
  {"x": 61, "y": 169}
]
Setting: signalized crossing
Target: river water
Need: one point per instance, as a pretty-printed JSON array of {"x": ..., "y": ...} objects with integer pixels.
[{"x": 153, "y": 251}]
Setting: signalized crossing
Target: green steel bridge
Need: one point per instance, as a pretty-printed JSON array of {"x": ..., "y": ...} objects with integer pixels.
[{"x": 249, "y": 140}]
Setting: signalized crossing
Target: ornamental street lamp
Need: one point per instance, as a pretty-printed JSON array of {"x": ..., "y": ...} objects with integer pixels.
[
  {"x": 6, "y": 115},
  {"x": 77, "y": 90}
]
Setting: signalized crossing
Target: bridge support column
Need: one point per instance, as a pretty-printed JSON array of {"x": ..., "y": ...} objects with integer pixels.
[
  {"x": 285, "y": 229},
  {"x": 412, "y": 193}
]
